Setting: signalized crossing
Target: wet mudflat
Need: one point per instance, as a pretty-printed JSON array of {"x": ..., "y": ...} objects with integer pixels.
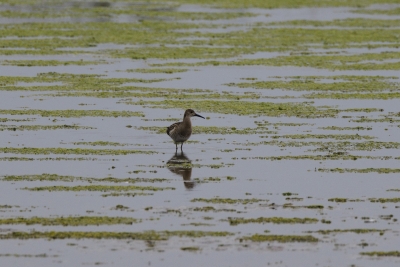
[{"x": 296, "y": 161}]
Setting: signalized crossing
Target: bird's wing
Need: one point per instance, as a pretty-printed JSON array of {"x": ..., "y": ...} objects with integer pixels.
[{"x": 172, "y": 127}]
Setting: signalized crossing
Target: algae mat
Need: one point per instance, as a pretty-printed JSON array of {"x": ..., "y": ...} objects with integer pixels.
[{"x": 296, "y": 161}]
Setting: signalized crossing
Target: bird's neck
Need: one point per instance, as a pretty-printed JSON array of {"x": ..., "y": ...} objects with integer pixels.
[{"x": 186, "y": 121}]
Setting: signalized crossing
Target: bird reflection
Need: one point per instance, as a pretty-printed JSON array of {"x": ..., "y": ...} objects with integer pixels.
[{"x": 180, "y": 164}]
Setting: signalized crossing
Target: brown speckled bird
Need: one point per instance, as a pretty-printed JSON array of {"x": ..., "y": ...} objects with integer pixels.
[{"x": 181, "y": 131}]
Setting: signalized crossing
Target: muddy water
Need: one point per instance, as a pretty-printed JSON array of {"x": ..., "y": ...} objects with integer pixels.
[{"x": 252, "y": 176}]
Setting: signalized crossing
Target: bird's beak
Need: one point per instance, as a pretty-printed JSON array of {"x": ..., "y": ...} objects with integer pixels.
[{"x": 197, "y": 115}]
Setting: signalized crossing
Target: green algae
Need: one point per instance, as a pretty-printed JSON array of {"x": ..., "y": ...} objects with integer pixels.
[
  {"x": 80, "y": 235},
  {"x": 291, "y": 206},
  {"x": 338, "y": 128},
  {"x": 72, "y": 113},
  {"x": 147, "y": 92},
  {"x": 159, "y": 37},
  {"x": 275, "y": 220},
  {"x": 228, "y": 200},
  {"x": 385, "y": 200},
  {"x": 117, "y": 194},
  {"x": 100, "y": 143},
  {"x": 214, "y": 179},
  {"x": 375, "y": 120},
  {"x": 169, "y": 5},
  {"x": 31, "y": 63},
  {"x": 381, "y": 253},
  {"x": 318, "y": 157},
  {"x": 159, "y": 70},
  {"x": 44, "y": 255},
  {"x": 325, "y": 136},
  {"x": 382, "y": 96},
  {"x": 389, "y": 12},
  {"x": 210, "y": 130},
  {"x": 43, "y": 127},
  {"x": 145, "y": 11},
  {"x": 364, "y": 86},
  {"x": 148, "y": 235},
  {"x": 47, "y": 159},
  {"x": 67, "y": 178},
  {"x": 7, "y": 207},
  {"x": 337, "y": 149},
  {"x": 366, "y": 170},
  {"x": 338, "y": 200},
  {"x": 210, "y": 208},
  {"x": 343, "y": 23},
  {"x": 301, "y": 110},
  {"x": 356, "y": 231},
  {"x": 70, "y": 151},
  {"x": 70, "y": 221},
  {"x": 99, "y": 188},
  {"x": 17, "y": 120},
  {"x": 331, "y": 62},
  {"x": 198, "y": 224},
  {"x": 193, "y": 249},
  {"x": 285, "y": 3},
  {"x": 54, "y": 81},
  {"x": 280, "y": 238}
]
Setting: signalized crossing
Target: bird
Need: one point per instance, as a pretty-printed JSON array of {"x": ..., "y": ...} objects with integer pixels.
[{"x": 181, "y": 131}]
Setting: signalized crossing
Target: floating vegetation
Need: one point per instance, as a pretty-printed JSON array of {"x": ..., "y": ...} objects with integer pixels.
[
  {"x": 276, "y": 220},
  {"x": 338, "y": 199},
  {"x": 190, "y": 248},
  {"x": 159, "y": 70},
  {"x": 44, "y": 255},
  {"x": 99, "y": 188},
  {"x": 210, "y": 208},
  {"x": 365, "y": 146},
  {"x": 7, "y": 207},
  {"x": 385, "y": 200},
  {"x": 229, "y": 200},
  {"x": 67, "y": 178},
  {"x": 72, "y": 113},
  {"x": 117, "y": 194},
  {"x": 356, "y": 231},
  {"x": 47, "y": 159},
  {"x": 70, "y": 151},
  {"x": 325, "y": 136},
  {"x": 366, "y": 170},
  {"x": 382, "y": 253},
  {"x": 333, "y": 156},
  {"x": 43, "y": 127},
  {"x": 291, "y": 206},
  {"x": 100, "y": 143},
  {"x": 331, "y": 62},
  {"x": 280, "y": 238},
  {"x": 382, "y": 96},
  {"x": 149, "y": 235},
  {"x": 210, "y": 130},
  {"x": 301, "y": 110},
  {"x": 336, "y": 149},
  {"x": 31, "y": 63},
  {"x": 337, "y": 128},
  {"x": 305, "y": 84},
  {"x": 53, "y": 81},
  {"x": 70, "y": 221}
]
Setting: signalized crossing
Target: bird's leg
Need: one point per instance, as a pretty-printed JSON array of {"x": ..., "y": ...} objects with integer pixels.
[
  {"x": 176, "y": 150},
  {"x": 181, "y": 146}
]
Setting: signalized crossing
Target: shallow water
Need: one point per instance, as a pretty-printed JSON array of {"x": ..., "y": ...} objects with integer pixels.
[{"x": 286, "y": 167}]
